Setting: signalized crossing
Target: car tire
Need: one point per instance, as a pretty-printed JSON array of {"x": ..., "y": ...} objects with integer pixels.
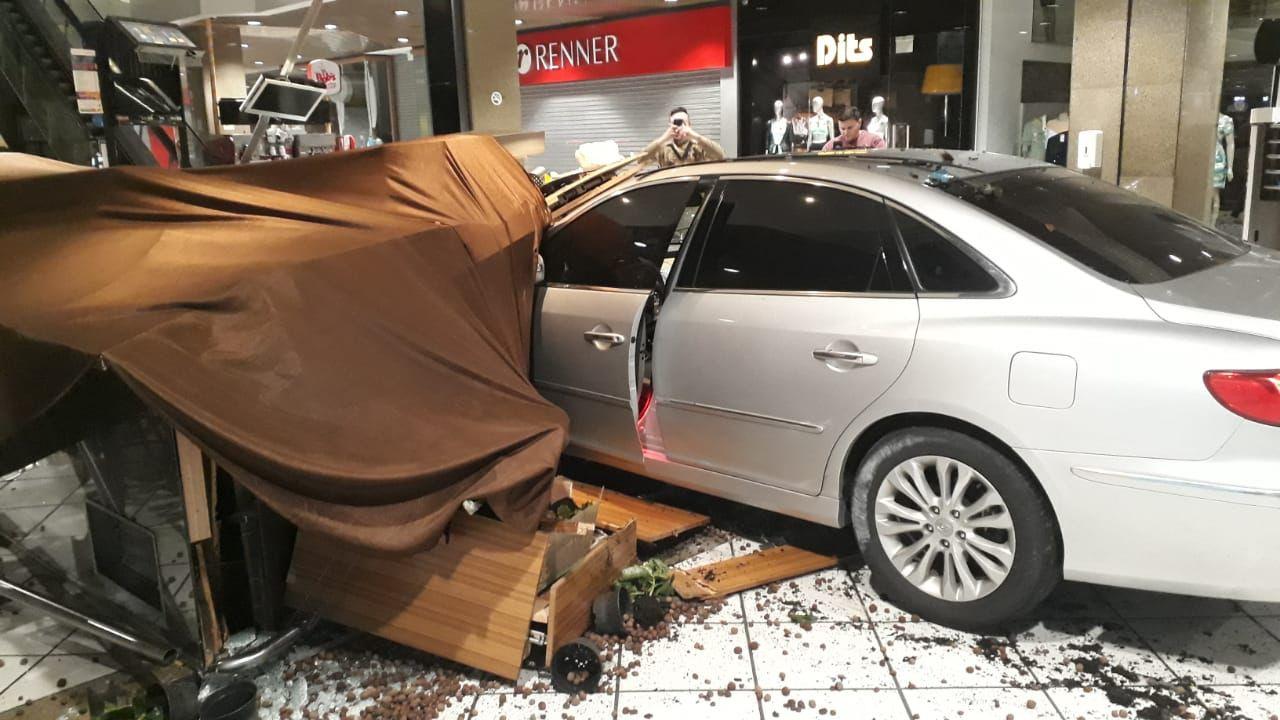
[{"x": 1036, "y": 556}]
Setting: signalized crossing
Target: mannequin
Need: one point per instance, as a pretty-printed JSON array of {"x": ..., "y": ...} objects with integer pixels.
[
  {"x": 777, "y": 133},
  {"x": 1224, "y": 155},
  {"x": 821, "y": 127},
  {"x": 1057, "y": 132},
  {"x": 879, "y": 122}
]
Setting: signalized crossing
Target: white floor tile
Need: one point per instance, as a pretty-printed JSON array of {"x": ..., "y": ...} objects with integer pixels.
[
  {"x": 723, "y": 551},
  {"x": 1142, "y": 604},
  {"x": 16, "y": 523},
  {"x": 852, "y": 704},
  {"x": 1082, "y": 652},
  {"x": 831, "y": 653},
  {"x": 979, "y": 704},
  {"x": 51, "y": 675},
  {"x": 1120, "y": 702},
  {"x": 37, "y": 491},
  {"x": 672, "y": 705},
  {"x": 1261, "y": 609},
  {"x": 13, "y": 667},
  {"x": 1256, "y": 703},
  {"x": 26, "y": 632},
  {"x": 828, "y": 595},
  {"x": 598, "y": 706},
  {"x": 878, "y": 607},
  {"x": 673, "y": 663},
  {"x": 930, "y": 656},
  {"x": 1215, "y": 651}
]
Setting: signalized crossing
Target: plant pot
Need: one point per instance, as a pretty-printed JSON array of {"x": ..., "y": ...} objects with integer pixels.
[
  {"x": 237, "y": 701},
  {"x": 577, "y": 667},
  {"x": 607, "y": 611}
]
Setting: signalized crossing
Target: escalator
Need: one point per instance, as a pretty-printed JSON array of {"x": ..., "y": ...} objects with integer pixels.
[{"x": 38, "y": 112}]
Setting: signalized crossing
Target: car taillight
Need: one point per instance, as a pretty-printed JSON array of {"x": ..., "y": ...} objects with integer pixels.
[{"x": 1249, "y": 394}]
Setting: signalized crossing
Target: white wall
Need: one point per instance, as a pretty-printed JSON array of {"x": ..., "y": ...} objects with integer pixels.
[{"x": 1002, "y": 46}]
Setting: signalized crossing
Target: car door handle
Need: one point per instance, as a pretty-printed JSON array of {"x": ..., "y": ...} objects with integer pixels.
[
  {"x": 857, "y": 358},
  {"x": 608, "y": 339}
]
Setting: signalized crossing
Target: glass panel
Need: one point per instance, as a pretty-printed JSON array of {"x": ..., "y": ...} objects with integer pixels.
[
  {"x": 626, "y": 242},
  {"x": 941, "y": 266},
  {"x": 795, "y": 237},
  {"x": 1115, "y": 232}
]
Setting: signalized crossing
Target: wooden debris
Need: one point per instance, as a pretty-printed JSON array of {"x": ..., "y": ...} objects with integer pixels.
[
  {"x": 468, "y": 599},
  {"x": 571, "y": 596},
  {"x": 743, "y": 573},
  {"x": 654, "y": 521}
]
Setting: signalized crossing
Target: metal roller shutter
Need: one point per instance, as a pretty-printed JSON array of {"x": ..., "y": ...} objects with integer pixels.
[{"x": 630, "y": 111}]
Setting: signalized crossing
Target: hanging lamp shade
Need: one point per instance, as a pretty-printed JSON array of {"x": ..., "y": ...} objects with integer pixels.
[{"x": 942, "y": 80}]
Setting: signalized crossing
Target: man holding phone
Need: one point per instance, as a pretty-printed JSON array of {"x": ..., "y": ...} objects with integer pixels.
[{"x": 680, "y": 145}]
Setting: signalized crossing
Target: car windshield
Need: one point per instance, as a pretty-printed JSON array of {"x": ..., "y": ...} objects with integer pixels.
[{"x": 1115, "y": 232}]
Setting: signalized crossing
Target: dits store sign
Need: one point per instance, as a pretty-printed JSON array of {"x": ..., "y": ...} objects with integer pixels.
[{"x": 672, "y": 41}]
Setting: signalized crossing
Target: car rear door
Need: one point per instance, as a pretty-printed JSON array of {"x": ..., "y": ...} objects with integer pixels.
[
  {"x": 792, "y": 314},
  {"x": 603, "y": 267}
]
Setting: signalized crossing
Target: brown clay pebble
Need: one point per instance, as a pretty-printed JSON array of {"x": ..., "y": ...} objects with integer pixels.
[
  {"x": 1031, "y": 704},
  {"x": 62, "y": 682}
]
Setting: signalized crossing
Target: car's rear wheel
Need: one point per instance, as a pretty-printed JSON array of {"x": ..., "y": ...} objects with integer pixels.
[{"x": 953, "y": 530}]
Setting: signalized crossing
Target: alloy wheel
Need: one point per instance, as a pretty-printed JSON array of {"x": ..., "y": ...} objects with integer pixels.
[{"x": 945, "y": 528}]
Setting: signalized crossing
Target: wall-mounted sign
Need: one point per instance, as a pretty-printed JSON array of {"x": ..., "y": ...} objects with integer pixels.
[
  {"x": 671, "y": 41},
  {"x": 496, "y": 98},
  {"x": 843, "y": 49},
  {"x": 327, "y": 72}
]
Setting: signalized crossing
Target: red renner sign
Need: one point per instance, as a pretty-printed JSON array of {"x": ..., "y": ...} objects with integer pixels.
[{"x": 673, "y": 41}]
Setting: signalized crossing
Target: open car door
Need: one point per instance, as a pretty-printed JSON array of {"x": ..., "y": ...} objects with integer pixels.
[{"x": 605, "y": 271}]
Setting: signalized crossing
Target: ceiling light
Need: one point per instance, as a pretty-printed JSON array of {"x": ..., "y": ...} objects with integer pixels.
[
  {"x": 330, "y": 26},
  {"x": 672, "y": 2},
  {"x": 244, "y": 45},
  {"x": 298, "y": 57},
  {"x": 519, "y": 21},
  {"x": 786, "y": 59},
  {"x": 402, "y": 39},
  {"x": 401, "y": 13},
  {"x": 255, "y": 23},
  {"x": 803, "y": 57},
  {"x": 257, "y": 62},
  {"x": 754, "y": 62},
  {"x": 1022, "y": 32}
]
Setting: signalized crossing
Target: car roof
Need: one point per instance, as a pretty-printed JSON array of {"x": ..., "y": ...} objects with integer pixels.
[{"x": 851, "y": 166}]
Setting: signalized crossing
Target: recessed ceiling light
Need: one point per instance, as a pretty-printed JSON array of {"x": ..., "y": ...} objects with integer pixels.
[
  {"x": 298, "y": 56},
  {"x": 786, "y": 59},
  {"x": 671, "y": 1},
  {"x": 1022, "y": 32},
  {"x": 519, "y": 21},
  {"x": 257, "y": 62},
  {"x": 330, "y": 26},
  {"x": 402, "y": 13},
  {"x": 803, "y": 57},
  {"x": 754, "y": 62},
  {"x": 244, "y": 45},
  {"x": 255, "y": 23},
  {"x": 402, "y": 39}
]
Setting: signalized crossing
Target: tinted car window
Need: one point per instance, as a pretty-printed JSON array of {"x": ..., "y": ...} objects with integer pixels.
[
  {"x": 941, "y": 265},
  {"x": 793, "y": 236},
  {"x": 1115, "y": 232},
  {"x": 623, "y": 242}
]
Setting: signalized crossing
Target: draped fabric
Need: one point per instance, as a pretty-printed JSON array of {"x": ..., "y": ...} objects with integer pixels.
[{"x": 348, "y": 335}]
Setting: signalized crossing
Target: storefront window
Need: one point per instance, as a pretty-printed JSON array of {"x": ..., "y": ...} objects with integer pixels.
[
  {"x": 907, "y": 65},
  {"x": 370, "y": 51},
  {"x": 1246, "y": 85}
]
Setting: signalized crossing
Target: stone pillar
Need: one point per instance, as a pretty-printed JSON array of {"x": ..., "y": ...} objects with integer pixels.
[
  {"x": 490, "y": 39},
  {"x": 1148, "y": 73}
]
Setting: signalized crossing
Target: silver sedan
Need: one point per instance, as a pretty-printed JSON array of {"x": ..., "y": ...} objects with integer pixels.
[{"x": 998, "y": 373}]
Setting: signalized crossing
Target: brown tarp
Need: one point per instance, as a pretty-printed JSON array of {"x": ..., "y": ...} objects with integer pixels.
[{"x": 348, "y": 335}]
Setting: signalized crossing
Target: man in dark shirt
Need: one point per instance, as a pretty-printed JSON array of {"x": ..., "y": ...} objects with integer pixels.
[{"x": 852, "y": 136}]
